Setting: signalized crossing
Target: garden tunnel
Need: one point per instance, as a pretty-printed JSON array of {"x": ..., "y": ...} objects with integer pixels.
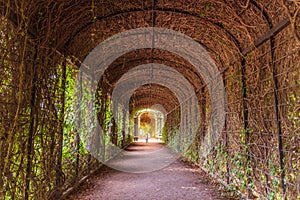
[{"x": 226, "y": 71}]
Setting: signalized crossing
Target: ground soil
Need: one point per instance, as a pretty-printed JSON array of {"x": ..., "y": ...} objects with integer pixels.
[{"x": 179, "y": 180}]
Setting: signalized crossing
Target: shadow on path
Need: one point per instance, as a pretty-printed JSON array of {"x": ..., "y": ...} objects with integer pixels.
[
  {"x": 143, "y": 157},
  {"x": 178, "y": 180}
]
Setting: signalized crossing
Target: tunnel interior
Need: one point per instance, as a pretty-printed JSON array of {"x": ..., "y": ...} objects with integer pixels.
[{"x": 216, "y": 80}]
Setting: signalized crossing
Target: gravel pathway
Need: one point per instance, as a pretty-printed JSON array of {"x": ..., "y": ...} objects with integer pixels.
[{"x": 178, "y": 180}]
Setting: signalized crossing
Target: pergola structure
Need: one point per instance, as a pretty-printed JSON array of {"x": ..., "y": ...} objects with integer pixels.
[{"x": 253, "y": 44}]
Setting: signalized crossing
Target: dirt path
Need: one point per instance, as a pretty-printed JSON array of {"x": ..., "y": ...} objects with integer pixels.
[{"x": 176, "y": 181}]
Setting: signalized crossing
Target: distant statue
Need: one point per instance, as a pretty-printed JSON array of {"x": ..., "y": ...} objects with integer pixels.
[{"x": 147, "y": 137}]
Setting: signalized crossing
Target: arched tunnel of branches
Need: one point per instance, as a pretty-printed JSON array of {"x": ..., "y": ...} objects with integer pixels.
[{"x": 255, "y": 46}]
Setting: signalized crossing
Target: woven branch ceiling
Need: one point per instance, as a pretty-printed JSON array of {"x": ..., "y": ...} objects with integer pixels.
[{"x": 225, "y": 28}]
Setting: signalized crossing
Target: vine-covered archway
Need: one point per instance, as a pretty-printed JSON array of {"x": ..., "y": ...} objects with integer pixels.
[{"x": 253, "y": 44}]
